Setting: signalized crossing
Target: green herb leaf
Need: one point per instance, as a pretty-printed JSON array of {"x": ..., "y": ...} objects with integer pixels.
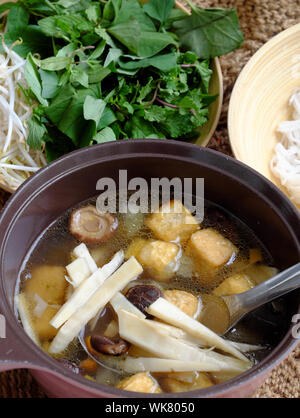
[
  {"x": 93, "y": 109},
  {"x": 36, "y": 133},
  {"x": 210, "y": 32},
  {"x": 132, "y": 9},
  {"x": 107, "y": 118},
  {"x": 17, "y": 20},
  {"x": 164, "y": 62},
  {"x": 128, "y": 34},
  {"x": 106, "y": 135},
  {"x": 54, "y": 63},
  {"x": 159, "y": 10},
  {"x": 33, "y": 80},
  {"x": 78, "y": 75},
  {"x": 112, "y": 56},
  {"x": 50, "y": 85}
]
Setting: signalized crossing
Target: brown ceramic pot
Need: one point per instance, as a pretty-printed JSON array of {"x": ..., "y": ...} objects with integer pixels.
[{"x": 72, "y": 178}]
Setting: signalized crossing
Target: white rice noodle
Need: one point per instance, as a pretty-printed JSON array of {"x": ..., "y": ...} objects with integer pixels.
[
  {"x": 286, "y": 163},
  {"x": 17, "y": 161}
]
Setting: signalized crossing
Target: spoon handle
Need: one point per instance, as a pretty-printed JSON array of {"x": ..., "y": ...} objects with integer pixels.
[{"x": 282, "y": 283}]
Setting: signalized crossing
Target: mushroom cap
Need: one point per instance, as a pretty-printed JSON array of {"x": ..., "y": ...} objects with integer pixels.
[{"x": 89, "y": 225}]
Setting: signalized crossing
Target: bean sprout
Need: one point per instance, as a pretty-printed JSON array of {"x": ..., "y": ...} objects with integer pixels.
[{"x": 17, "y": 160}]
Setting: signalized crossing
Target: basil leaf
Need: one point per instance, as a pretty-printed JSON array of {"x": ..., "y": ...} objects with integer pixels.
[
  {"x": 210, "y": 32},
  {"x": 158, "y": 9}
]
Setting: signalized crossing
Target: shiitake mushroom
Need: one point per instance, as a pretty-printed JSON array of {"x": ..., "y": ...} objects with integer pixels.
[{"x": 90, "y": 226}]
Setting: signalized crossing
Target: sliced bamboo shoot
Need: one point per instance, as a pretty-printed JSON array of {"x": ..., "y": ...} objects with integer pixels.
[
  {"x": 177, "y": 333},
  {"x": 78, "y": 271},
  {"x": 141, "y": 364},
  {"x": 142, "y": 333},
  {"x": 86, "y": 290},
  {"x": 119, "y": 301},
  {"x": 25, "y": 317},
  {"x": 81, "y": 251},
  {"x": 129, "y": 271},
  {"x": 169, "y": 313}
]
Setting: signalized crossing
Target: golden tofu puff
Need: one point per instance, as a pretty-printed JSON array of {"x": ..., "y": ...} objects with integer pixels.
[
  {"x": 44, "y": 330},
  {"x": 210, "y": 251},
  {"x": 140, "y": 382},
  {"x": 258, "y": 273},
  {"x": 171, "y": 384},
  {"x": 49, "y": 283},
  {"x": 159, "y": 258},
  {"x": 185, "y": 301},
  {"x": 238, "y": 283},
  {"x": 135, "y": 247},
  {"x": 173, "y": 222}
]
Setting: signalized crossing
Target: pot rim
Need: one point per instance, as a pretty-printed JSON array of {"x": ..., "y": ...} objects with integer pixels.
[{"x": 45, "y": 362}]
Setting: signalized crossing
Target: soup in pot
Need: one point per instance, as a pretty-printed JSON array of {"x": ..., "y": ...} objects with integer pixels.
[{"x": 143, "y": 293}]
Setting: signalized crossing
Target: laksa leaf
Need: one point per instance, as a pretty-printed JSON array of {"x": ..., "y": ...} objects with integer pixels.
[{"x": 209, "y": 32}]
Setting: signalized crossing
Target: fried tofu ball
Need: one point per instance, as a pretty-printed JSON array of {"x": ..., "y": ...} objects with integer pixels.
[
  {"x": 173, "y": 222},
  {"x": 49, "y": 283},
  {"x": 185, "y": 301},
  {"x": 44, "y": 330},
  {"x": 238, "y": 283},
  {"x": 211, "y": 248},
  {"x": 201, "y": 381},
  {"x": 159, "y": 258},
  {"x": 140, "y": 382}
]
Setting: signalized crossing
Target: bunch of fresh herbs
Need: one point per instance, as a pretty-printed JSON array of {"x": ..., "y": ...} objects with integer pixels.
[{"x": 104, "y": 70}]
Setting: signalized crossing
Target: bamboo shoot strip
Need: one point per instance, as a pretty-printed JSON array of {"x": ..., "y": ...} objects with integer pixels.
[
  {"x": 119, "y": 301},
  {"x": 144, "y": 334},
  {"x": 78, "y": 271},
  {"x": 25, "y": 318},
  {"x": 169, "y": 313},
  {"x": 143, "y": 364},
  {"x": 129, "y": 271},
  {"x": 86, "y": 289},
  {"x": 82, "y": 251}
]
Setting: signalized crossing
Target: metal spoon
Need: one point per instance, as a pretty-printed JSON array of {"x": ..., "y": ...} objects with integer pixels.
[{"x": 240, "y": 304}]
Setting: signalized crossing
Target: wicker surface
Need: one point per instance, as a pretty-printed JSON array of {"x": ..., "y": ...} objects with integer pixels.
[{"x": 260, "y": 20}]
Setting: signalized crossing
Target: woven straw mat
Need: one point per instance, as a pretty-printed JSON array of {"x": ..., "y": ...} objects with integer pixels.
[{"x": 260, "y": 20}]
